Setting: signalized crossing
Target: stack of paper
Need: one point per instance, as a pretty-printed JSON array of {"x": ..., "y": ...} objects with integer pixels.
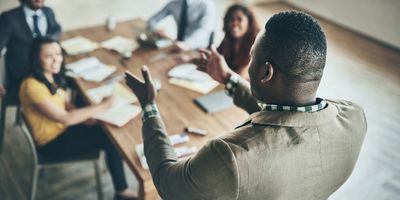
[
  {"x": 119, "y": 114},
  {"x": 187, "y": 76},
  {"x": 78, "y": 45},
  {"x": 121, "y": 110},
  {"x": 90, "y": 69},
  {"x": 120, "y": 44}
]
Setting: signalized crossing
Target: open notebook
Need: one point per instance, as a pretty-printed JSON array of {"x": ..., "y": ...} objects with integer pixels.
[
  {"x": 187, "y": 76},
  {"x": 122, "y": 110}
]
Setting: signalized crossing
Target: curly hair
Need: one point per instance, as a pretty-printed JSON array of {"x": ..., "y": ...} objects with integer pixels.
[
  {"x": 253, "y": 25},
  {"x": 296, "y": 45}
]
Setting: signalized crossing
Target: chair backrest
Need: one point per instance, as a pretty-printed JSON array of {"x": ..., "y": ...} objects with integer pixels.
[{"x": 25, "y": 129}]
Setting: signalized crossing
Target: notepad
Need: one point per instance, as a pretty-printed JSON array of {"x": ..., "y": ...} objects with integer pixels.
[
  {"x": 187, "y": 76},
  {"x": 214, "y": 102},
  {"x": 119, "y": 114},
  {"x": 97, "y": 94},
  {"x": 78, "y": 45},
  {"x": 90, "y": 69},
  {"x": 120, "y": 44}
]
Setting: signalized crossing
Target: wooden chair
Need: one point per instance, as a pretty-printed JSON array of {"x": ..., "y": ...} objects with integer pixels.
[{"x": 40, "y": 162}]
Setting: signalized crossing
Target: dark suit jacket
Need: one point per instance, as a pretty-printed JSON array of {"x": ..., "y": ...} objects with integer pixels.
[
  {"x": 273, "y": 155},
  {"x": 16, "y": 35}
]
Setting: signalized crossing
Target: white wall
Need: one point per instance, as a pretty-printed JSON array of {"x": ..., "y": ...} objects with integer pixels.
[{"x": 379, "y": 19}]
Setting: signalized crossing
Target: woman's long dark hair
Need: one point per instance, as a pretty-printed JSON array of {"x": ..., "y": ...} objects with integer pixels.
[
  {"x": 37, "y": 68},
  {"x": 253, "y": 28}
]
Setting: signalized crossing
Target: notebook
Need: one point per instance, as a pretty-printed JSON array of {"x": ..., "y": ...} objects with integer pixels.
[{"x": 214, "y": 102}]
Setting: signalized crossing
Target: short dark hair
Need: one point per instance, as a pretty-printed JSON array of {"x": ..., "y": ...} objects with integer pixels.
[
  {"x": 253, "y": 25},
  {"x": 295, "y": 45},
  {"x": 37, "y": 69}
]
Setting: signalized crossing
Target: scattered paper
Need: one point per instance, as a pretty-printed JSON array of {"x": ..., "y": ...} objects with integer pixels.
[
  {"x": 91, "y": 69},
  {"x": 119, "y": 115},
  {"x": 97, "y": 94},
  {"x": 187, "y": 76},
  {"x": 78, "y": 45},
  {"x": 162, "y": 43},
  {"x": 202, "y": 87},
  {"x": 120, "y": 44},
  {"x": 189, "y": 72}
]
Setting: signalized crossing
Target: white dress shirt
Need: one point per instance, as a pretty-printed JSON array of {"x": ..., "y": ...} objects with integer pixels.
[
  {"x": 200, "y": 23},
  {"x": 42, "y": 21}
]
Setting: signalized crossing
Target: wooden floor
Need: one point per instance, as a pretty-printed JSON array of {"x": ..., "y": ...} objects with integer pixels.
[{"x": 358, "y": 69}]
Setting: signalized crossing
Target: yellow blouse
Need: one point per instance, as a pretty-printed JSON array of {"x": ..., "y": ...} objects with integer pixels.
[{"x": 43, "y": 128}]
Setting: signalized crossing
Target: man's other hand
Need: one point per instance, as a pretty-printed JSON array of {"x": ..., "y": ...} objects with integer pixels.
[
  {"x": 214, "y": 64},
  {"x": 144, "y": 90}
]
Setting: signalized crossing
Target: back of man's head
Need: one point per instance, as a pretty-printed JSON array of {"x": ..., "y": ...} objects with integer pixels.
[{"x": 295, "y": 45}]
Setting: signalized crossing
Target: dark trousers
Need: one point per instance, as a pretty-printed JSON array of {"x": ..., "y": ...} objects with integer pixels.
[{"x": 80, "y": 139}]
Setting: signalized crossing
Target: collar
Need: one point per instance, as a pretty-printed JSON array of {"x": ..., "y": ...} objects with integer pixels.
[
  {"x": 29, "y": 12},
  {"x": 293, "y": 118},
  {"x": 312, "y": 108}
]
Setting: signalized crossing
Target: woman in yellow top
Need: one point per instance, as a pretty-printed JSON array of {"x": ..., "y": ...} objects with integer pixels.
[{"x": 58, "y": 129}]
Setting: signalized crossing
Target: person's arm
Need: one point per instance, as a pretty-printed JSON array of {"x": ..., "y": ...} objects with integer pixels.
[
  {"x": 211, "y": 174},
  {"x": 5, "y": 31},
  {"x": 55, "y": 27},
  {"x": 164, "y": 12},
  {"x": 205, "y": 26},
  {"x": 72, "y": 117},
  {"x": 215, "y": 65}
]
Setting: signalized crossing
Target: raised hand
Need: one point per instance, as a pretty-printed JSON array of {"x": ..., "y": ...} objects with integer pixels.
[
  {"x": 144, "y": 90},
  {"x": 214, "y": 64}
]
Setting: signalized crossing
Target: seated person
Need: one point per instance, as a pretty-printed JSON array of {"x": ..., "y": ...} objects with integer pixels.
[
  {"x": 241, "y": 28},
  {"x": 18, "y": 28},
  {"x": 194, "y": 19},
  {"x": 294, "y": 145},
  {"x": 56, "y": 126}
]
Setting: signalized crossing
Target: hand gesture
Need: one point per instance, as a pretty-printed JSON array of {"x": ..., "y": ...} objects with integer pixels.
[
  {"x": 214, "y": 64},
  {"x": 145, "y": 91}
]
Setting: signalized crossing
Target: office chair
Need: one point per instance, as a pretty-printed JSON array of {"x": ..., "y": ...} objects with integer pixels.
[
  {"x": 9, "y": 99},
  {"x": 40, "y": 162}
]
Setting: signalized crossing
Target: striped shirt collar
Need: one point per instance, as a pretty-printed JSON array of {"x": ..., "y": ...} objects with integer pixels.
[{"x": 321, "y": 104}]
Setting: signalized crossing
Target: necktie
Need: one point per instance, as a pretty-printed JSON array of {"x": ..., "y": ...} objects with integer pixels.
[
  {"x": 36, "y": 31},
  {"x": 182, "y": 21}
]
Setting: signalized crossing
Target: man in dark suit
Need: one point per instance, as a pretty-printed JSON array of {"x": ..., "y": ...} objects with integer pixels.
[{"x": 18, "y": 27}]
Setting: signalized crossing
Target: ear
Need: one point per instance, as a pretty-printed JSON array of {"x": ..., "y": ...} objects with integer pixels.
[{"x": 268, "y": 72}]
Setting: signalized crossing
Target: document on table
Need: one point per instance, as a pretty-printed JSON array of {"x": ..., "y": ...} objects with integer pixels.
[
  {"x": 78, "y": 45},
  {"x": 119, "y": 114},
  {"x": 97, "y": 94},
  {"x": 187, "y": 76},
  {"x": 121, "y": 110},
  {"x": 120, "y": 44},
  {"x": 90, "y": 69}
]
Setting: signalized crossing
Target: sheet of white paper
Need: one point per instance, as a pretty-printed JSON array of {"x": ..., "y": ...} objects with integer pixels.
[
  {"x": 189, "y": 72},
  {"x": 78, "y": 45},
  {"x": 119, "y": 114},
  {"x": 91, "y": 69},
  {"x": 120, "y": 44}
]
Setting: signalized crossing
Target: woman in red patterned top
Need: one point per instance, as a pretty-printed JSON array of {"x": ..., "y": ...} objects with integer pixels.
[{"x": 241, "y": 28}]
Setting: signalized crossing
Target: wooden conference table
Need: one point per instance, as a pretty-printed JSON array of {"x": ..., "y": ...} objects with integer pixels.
[{"x": 175, "y": 103}]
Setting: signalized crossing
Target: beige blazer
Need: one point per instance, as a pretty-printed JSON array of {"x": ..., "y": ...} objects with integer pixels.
[{"x": 272, "y": 155}]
